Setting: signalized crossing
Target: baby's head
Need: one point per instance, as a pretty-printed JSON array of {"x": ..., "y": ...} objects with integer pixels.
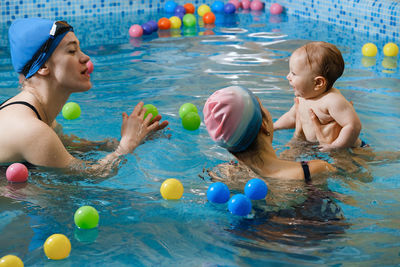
[{"x": 322, "y": 59}]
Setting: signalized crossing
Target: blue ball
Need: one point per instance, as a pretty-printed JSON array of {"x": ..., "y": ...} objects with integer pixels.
[
  {"x": 218, "y": 193},
  {"x": 217, "y": 7},
  {"x": 256, "y": 189},
  {"x": 170, "y": 6},
  {"x": 240, "y": 205},
  {"x": 153, "y": 25},
  {"x": 179, "y": 14},
  {"x": 229, "y": 8},
  {"x": 147, "y": 30},
  {"x": 180, "y": 9}
]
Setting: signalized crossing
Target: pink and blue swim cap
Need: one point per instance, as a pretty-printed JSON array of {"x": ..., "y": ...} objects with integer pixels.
[
  {"x": 32, "y": 41},
  {"x": 233, "y": 117}
]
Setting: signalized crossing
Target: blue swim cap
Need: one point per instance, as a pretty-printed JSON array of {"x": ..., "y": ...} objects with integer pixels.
[{"x": 32, "y": 41}]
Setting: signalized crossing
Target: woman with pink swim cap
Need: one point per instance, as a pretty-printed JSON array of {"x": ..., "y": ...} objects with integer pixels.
[{"x": 237, "y": 121}]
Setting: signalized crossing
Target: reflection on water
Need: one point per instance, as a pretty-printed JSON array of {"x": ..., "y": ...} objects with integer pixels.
[{"x": 344, "y": 219}]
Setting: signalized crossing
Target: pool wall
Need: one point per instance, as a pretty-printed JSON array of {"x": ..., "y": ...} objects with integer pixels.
[{"x": 380, "y": 19}]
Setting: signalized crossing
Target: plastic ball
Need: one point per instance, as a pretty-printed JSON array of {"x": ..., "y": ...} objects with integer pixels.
[
  {"x": 189, "y": 8},
  {"x": 236, "y": 3},
  {"x": 256, "y": 189},
  {"x": 170, "y": 6},
  {"x": 390, "y": 50},
  {"x": 180, "y": 9},
  {"x": 135, "y": 31},
  {"x": 171, "y": 189},
  {"x": 147, "y": 29},
  {"x": 239, "y": 204},
  {"x": 229, "y": 8},
  {"x": 90, "y": 66},
  {"x": 176, "y": 22},
  {"x": 246, "y": 4},
  {"x": 179, "y": 15},
  {"x": 17, "y": 173},
  {"x": 369, "y": 50},
  {"x": 86, "y": 217},
  {"x": 11, "y": 261},
  {"x": 275, "y": 9},
  {"x": 186, "y": 108},
  {"x": 189, "y": 20},
  {"x": 217, "y": 7},
  {"x": 209, "y": 18},
  {"x": 153, "y": 25},
  {"x": 71, "y": 111},
  {"x": 191, "y": 121},
  {"x": 57, "y": 247},
  {"x": 150, "y": 109},
  {"x": 218, "y": 193},
  {"x": 164, "y": 24},
  {"x": 256, "y": 5},
  {"x": 203, "y": 9}
]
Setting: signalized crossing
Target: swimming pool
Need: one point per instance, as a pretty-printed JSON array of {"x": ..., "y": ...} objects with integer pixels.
[{"x": 137, "y": 227}]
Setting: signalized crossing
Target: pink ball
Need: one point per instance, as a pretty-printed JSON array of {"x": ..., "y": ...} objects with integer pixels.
[
  {"x": 275, "y": 9},
  {"x": 236, "y": 3},
  {"x": 256, "y": 5},
  {"x": 135, "y": 30},
  {"x": 17, "y": 173},
  {"x": 246, "y": 4},
  {"x": 90, "y": 66}
]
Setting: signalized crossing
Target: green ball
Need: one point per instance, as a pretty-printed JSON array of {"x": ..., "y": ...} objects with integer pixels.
[
  {"x": 186, "y": 108},
  {"x": 191, "y": 121},
  {"x": 71, "y": 111},
  {"x": 189, "y": 20},
  {"x": 150, "y": 109},
  {"x": 86, "y": 217}
]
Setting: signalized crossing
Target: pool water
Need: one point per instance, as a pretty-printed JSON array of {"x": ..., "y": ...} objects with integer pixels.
[{"x": 138, "y": 227}]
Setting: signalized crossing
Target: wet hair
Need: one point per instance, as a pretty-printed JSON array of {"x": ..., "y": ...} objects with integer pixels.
[{"x": 324, "y": 59}]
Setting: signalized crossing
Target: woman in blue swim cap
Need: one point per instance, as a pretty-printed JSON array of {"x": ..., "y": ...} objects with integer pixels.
[{"x": 52, "y": 66}]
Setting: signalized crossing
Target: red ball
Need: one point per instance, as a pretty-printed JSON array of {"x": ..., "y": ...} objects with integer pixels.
[
  {"x": 189, "y": 8},
  {"x": 275, "y": 9},
  {"x": 164, "y": 24},
  {"x": 17, "y": 173},
  {"x": 90, "y": 66},
  {"x": 209, "y": 18}
]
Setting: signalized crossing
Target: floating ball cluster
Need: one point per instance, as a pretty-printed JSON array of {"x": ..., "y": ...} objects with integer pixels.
[
  {"x": 390, "y": 52},
  {"x": 239, "y": 204},
  {"x": 190, "y": 117},
  {"x": 179, "y": 15}
]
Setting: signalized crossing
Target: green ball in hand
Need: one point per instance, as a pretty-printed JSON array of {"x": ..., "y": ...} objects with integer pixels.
[
  {"x": 71, "y": 111},
  {"x": 86, "y": 217},
  {"x": 191, "y": 121},
  {"x": 150, "y": 109},
  {"x": 186, "y": 108}
]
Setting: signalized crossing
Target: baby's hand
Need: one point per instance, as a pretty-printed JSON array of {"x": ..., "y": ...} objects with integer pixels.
[{"x": 325, "y": 147}]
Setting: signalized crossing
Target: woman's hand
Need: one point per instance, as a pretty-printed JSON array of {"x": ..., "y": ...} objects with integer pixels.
[{"x": 135, "y": 128}]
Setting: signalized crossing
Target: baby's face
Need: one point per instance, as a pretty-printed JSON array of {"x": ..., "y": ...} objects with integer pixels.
[{"x": 301, "y": 77}]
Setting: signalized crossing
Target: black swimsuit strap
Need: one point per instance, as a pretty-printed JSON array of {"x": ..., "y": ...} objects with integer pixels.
[
  {"x": 306, "y": 170},
  {"x": 23, "y": 103}
]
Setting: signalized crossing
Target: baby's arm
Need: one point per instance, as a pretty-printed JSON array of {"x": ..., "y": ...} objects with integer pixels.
[
  {"x": 344, "y": 114},
  {"x": 287, "y": 120}
]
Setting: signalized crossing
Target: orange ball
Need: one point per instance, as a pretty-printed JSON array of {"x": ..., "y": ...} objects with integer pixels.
[
  {"x": 189, "y": 8},
  {"x": 209, "y": 18},
  {"x": 164, "y": 24}
]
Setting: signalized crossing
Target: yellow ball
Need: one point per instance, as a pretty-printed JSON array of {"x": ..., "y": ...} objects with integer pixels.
[
  {"x": 176, "y": 22},
  {"x": 390, "y": 50},
  {"x": 203, "y": 9},
  {"x": 369, "y": 50},
  {"x": 11, "y": 261},
  {"x": 171, "y": 189},
  {"x": 57, "y": 247}
]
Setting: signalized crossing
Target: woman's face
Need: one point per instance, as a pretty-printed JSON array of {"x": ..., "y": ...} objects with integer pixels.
[{"x": 68, "y": 67}]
